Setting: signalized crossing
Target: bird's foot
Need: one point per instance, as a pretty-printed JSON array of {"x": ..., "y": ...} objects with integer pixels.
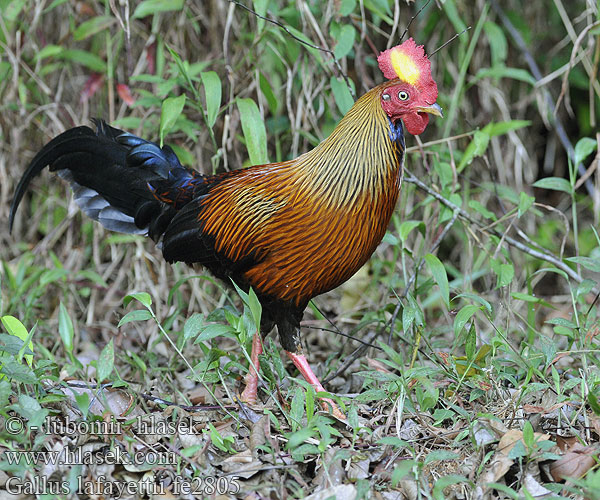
[
  {"x": 249, "y": 395},
  {"x": 327, "y": 404}
]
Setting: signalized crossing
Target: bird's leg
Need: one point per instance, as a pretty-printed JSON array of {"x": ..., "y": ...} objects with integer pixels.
[
  {"x": 301, "y": 363},
  {"x": 251, "y": 380}
]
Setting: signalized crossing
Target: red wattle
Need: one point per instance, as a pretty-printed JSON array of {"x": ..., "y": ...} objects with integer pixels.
[{"x": 415, "y": 123}]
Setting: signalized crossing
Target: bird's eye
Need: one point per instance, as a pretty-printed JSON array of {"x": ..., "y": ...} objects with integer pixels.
[
  {"x": 403, "y": 96},
  {"x": 386, "y": 97}
]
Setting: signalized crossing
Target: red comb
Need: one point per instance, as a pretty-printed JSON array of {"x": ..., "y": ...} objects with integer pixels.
[{"x": 406, "y": 61}]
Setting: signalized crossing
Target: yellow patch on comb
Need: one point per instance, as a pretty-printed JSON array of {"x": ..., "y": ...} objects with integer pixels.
[{"x": 405, "y": 67}]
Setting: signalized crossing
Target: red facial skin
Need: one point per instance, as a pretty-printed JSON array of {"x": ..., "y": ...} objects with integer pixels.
[{"x": 407, "y": 109}]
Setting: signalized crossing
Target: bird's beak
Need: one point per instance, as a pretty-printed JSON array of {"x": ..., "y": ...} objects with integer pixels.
[{"x": 433, "y": 109}]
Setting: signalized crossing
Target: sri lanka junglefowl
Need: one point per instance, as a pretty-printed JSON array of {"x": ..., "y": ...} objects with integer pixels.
[{"x": 289, "y": 230}]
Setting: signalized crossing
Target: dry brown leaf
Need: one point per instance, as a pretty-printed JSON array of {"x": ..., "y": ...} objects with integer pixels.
[
  {"x": 410, "y": 488},
  {"x": 377, "y": 365},
  {"x": 595, "y": 422},
  {"x": 513, "y": 436},
  {"x": 258, "y": 435},
  {"x": 339, "y": 492},
  {"x": 242, "y": 464},
  {"x": 359, "y": 469},
  {"x": 497, "y": 426},
  {"x": 534, "y": 488},
  {"x": 496, "y": 470},
  {"x": 482, "y": 434},
  {"x": 565, "y": 443},
  {"x": 331, "y": 471},
  {"x": 200, "y": 395},
  {"x": 575, "y": 463},
  {"x": 509, "y": 440},
  {"x": 541, "y": 409}
]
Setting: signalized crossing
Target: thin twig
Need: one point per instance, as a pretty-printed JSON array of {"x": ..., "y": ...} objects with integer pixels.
[
  {"x": 339, "y": 332},
  {"x": 412, "y": 19},
  {"x": 449, "y": 41},
  {"x": 545, "y": 256}
]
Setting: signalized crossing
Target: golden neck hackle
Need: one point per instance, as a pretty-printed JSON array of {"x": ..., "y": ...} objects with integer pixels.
[{"x": 357, "y": 159}]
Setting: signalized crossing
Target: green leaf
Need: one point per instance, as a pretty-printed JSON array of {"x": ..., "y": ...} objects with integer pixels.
[
  {"x": 498, "y": 43},
  {"x": 411, "y": 314},
  {"x": 479, "y": 208},
  {"x": 438, "y": 271},
  {"x": 65, "y": 328},
  {"x": 427, "y": 394},
  {"x": 295, "y": 439},
  {"x": 471, "y": 343},
  {"x": 501, "y": 128},
  {"x": 592, "y": 264},
  {"x": 5, "y": 392},
  {"x": 504, "y": 272},
  {"x": 92, "y": 26},
  {"x": 554, "y": 183},
  {"x": 255, "y": 308},
  {"x": 170, "y": 111},
  {"x": 438, "y": 455},
  {"x": 407, "y": 226},
  {"x": 193, "y": 326},
  {"x": 255, "y": 134},
  {"x": 17, "y": 371},
  {"x": 584, "y": 148},
  {"x": 267, "y": 91},
  {"x": 525, "y": 203},
  {"x": 48, "y": 51},
  {"x": 212, "y": 93},
  {"x": 562, "y": 322},
  {"x": 501, "y": 71},
  {"x": 137, "y": 315},
  {"x": 341, "y": 93},
  {"x": 463, "y": 316},
  {"x": 214, "y": 330},
  {"x": 475, "y": 148},
  {"x": 297, "y": 407},
  {"x": 346, "y": 7},
  {"x": 142, "y": 297},
  {"x": 528, "y": 436},
  {"x": 403, "y": 468},
  {"x": 84, "y": 58},
  {"x": 260, "y": 6},
  {"x": 530, "y": 298},
  {"x": 15, "y": 328},
  {"x": 476, "y": 298},
  {"x": 149, "y": 7},
  {"x": 106, "y": 361},
  {"x": 593, "y": 402},
  {"x": 345, "y": 41}
]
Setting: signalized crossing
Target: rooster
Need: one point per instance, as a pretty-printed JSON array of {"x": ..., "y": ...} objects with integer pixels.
[{"x": 290, "y": 230}]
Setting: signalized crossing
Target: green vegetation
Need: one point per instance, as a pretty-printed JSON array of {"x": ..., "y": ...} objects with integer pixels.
[{"x": 481, "y": 378}]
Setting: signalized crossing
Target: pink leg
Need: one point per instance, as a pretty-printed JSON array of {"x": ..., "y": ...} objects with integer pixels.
[
  {"x": 251, "y": 380},
  {"x": 301, "y": 363}
]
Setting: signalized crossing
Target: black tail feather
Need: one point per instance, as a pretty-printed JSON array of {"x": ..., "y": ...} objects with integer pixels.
[{"x": 115, "y": 177}]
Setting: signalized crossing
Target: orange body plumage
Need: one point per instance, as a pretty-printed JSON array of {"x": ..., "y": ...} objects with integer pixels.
[{"x": 313, "y": 221}]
